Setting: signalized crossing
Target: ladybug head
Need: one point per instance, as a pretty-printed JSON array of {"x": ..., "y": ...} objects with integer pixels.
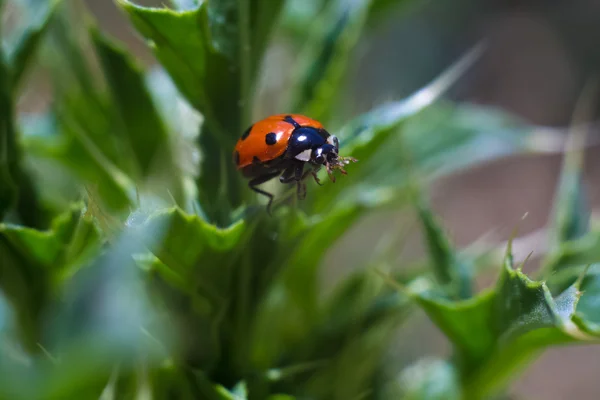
[{"x": 327, "y": 153}]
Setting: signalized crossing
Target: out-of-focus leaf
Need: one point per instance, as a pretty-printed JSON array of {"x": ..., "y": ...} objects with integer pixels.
[
  {"x": 369, "y": 133},
  {"x": 8, "y": 189},
  {"x": 290, "y": 308},
  {"x": 571, "y": 212},
  {"x": 451, "y": 272},
  {"x": 146, "y": 133},
  {"x": 430, "y": 379},
  {"x": 23, "y": 45},
  {"x": 384, "y": 8},
  {"x": 68, "y": 145},
  {"x": 104, "y": 319},
  {"x": 515, "y": 321},
  {"x": 80, "y": 133},
  {"x": 580, "y": 252},
  {"x": 192, "y": 271},
  {"x": 33, "y": 262},
  {"x": 357, "y": 323},
  {"x": 325, "y": 56}
]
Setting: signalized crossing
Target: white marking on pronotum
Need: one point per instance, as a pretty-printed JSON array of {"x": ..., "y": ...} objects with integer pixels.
[
  {"x": 331, "y": 140},
  {"x": 304, "y": 156},
  {"x": 301, "y": 138}
]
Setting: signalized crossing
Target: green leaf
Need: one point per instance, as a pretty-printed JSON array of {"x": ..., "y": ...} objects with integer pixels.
[
  {"x": 80, "y": 135},
  {"x": 358, "y": 322},
  {"x": 571, "y": 213},
  {"x": 325, "y": 56},
  {"x": 33, "y": 262},
  {"x": 576, "y": 253},
  {"x": 513, "y": 322},
  {"x": 194, "y": 281},
  {"x": 8, "y": 189},
  {"x": 74, "y": 149},
  {"x": 211, "y": 52},
  {"x": 22, "y": 48},
  {"x": 451, "y": 272},
  {"x": 146, "y": 134},
  {"x": 372, "y": 133},
  {"x": 380, "y": 9},
  {"x": 290, "y": 309}
]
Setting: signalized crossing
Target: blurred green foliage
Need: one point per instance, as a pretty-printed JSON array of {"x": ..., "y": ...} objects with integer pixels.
[{"x": 135, "y": 262}]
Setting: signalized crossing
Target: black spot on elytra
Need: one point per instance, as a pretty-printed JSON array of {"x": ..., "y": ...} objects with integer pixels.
[
  {"x": 271, "y": 138},
  {"x": 256, "y": 160},
  {"x": 246, "y": 133},
  {"x": 290, "y": 120},
  {"x": 236, "y": 158}
]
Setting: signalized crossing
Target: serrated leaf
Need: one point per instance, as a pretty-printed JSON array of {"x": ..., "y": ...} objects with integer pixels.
[
  {"x": 325, "y": 56},
  {"x": 513, "y": 322}
]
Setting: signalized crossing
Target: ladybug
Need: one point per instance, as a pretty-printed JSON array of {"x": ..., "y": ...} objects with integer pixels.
[{"x": 283, "y": 145}]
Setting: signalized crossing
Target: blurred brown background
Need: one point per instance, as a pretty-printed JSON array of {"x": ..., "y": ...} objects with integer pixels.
[{"x": 540, "y": 54}]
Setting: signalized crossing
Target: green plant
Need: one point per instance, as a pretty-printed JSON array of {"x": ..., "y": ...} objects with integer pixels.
[{"x": 128, "y": 271}]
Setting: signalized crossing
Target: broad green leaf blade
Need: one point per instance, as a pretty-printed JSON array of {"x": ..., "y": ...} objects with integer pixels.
[
  {"x": 451, "y": 272},
  {"x": 23, "y": 46},
  {"x": 325, "y": 56}
]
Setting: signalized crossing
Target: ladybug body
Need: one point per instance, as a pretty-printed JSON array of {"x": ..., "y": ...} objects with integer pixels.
[{"x": 283, "y": 145}]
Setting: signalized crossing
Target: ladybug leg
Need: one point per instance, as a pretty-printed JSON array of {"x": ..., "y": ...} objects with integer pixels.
[
  {"x": 262, "y": 179},
  {"x": 301, "y": 190},
  {"x": 330, "y": 173},
  {"x": 314, "y": 174}
]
